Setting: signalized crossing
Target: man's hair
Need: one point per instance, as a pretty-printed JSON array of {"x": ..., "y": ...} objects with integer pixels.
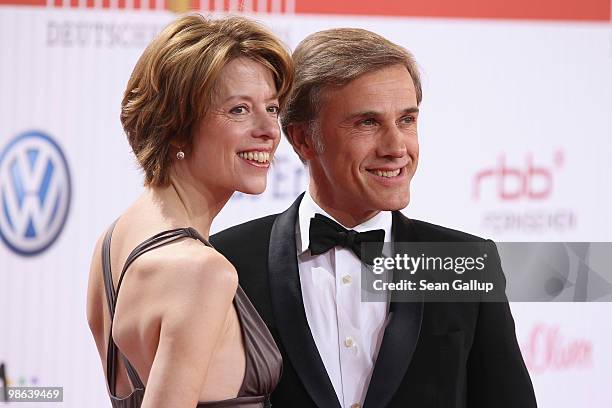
[
  {"x": 333, "y": 58},
  {"x": 173, "y": 83}
]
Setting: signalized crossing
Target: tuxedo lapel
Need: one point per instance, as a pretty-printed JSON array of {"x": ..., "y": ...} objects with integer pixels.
[
  {"x": 400, "y": 337},
  {"x": 289, "y": 313}
]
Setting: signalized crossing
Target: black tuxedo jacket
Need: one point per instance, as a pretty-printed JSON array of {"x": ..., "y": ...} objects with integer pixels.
[{"x": 438, "y": 355}]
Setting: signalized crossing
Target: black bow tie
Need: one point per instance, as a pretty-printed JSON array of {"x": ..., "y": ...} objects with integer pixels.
[{"x": 326, "y": 234}]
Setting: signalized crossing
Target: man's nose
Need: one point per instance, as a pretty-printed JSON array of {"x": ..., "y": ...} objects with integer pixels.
[{"x": 392, "y": 143}]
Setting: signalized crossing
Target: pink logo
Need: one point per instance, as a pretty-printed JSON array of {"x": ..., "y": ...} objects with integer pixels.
[
  {"x": 548, "y": 350},
  {"x": 532, "y": 181}
]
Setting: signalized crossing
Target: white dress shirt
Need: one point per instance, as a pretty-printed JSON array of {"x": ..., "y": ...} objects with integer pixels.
[{"x": 346, "y": 331}]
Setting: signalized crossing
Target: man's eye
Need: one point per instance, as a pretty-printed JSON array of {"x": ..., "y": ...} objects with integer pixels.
[
  {"x": 273, "y": 109},
  {"x": 408, "y": 119},
  {"x": 239, "y": 110},
  {"x": 367, "y": 122}
]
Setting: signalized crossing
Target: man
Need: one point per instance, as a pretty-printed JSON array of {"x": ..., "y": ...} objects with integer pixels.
[{"x": 352, "y": 117}]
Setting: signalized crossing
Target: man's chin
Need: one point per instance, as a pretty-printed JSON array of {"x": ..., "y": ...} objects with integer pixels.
[
  {"x": 394, "y": 203},
  {"x": 394, "y": 207}
]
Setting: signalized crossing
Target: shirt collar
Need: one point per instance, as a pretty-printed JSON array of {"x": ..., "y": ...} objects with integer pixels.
[{"x": 308, "y": 208}]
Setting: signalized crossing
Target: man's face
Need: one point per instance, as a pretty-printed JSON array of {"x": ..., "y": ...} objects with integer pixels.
[{"x": 368, "y": 129}]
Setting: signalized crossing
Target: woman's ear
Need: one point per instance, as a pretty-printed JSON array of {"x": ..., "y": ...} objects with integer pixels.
[{"x": 177, "y": 143}]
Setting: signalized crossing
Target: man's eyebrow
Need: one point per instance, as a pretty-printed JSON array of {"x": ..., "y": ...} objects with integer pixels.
[
  {"x": 372, "y": 113},
  {"x": 414, "y": 109}
]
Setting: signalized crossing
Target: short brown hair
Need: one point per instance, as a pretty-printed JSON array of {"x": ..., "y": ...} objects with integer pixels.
[
  {"x": 172, "y": 85},
  {"x": 333, "y": 58}
]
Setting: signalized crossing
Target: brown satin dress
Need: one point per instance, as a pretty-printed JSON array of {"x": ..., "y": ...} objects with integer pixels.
[{"x": 263, "y": 360}]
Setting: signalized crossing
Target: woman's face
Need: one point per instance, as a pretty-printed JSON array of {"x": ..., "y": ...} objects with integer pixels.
[{"x": 234, "y": 143}]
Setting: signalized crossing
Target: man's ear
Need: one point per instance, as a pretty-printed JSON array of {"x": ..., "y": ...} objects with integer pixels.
[{"x": 301, "y": 140}]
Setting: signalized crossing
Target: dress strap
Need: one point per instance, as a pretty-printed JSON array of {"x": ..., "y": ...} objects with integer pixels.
[
  {"x": 111, "y": 298},
  {"x": 158, "y": 240}
]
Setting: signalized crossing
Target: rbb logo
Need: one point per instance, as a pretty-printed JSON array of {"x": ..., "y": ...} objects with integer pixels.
[
  {"x": 529, "y": 181},
  {"x": 35, "y": 193}
]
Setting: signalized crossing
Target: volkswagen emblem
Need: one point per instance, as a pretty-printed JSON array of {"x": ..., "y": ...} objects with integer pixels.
[{"x": 35, "y": 192}]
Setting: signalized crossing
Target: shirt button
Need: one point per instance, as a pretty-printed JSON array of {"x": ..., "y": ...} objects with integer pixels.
[
  {"x": 346, "y": 279},
  {"x": 355, "y": 405},
  {"x": 349, "y": 342}
]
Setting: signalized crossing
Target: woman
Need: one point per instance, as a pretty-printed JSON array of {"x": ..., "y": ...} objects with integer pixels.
[{"x": 200, "y": 112}]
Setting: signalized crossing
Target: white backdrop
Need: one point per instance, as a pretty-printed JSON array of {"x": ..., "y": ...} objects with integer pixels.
[{"x": 516, "y": 144}]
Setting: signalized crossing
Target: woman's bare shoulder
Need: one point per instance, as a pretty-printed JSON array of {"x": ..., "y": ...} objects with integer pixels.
[
  {"x": 183, "y": 284},
  {"x": 179, "y": 277},
  {"x": 187, "y": 260}
]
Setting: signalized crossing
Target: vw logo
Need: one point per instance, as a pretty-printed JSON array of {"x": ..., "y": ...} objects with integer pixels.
[{"x": 35, "y": 193}]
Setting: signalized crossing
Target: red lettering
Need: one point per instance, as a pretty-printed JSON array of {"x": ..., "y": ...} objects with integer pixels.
[
  {"x": 517, "y": 180},
  {"x": 534, "y": 182},
  {"x": 546, "y": 350},
  {"x": 539, "y": 181}
]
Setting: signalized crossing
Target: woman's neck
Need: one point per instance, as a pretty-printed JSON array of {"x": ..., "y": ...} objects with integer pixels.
[{"x": 185, "y": 205}]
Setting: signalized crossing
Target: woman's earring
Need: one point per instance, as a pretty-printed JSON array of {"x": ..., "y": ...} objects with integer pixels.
[{"x": 180, "y": 155}]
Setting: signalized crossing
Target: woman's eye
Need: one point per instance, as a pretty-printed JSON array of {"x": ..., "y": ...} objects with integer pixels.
[
  {"x": 273, "y": 109},
  {"x": 239, "y": 110}
]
